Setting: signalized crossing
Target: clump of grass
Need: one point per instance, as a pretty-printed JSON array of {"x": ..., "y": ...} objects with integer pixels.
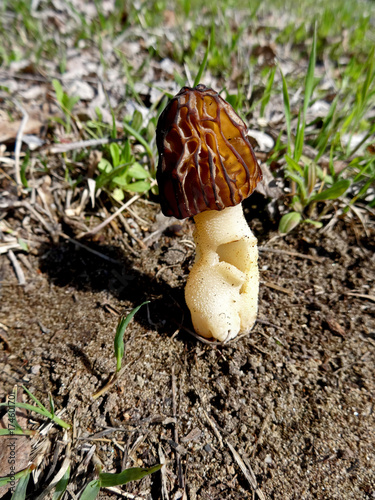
[
  {"x": 41, "y": 409},
  {"x": 309, "y": 183},
  {"x": 92, "y": 489},
  {"x": 66, "y": 103}
]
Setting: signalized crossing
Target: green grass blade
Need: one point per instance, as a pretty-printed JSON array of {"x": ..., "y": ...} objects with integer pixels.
[
  {"x": 20, "y": 491},
  {"x": 314, "y": 223},
  {"x": 34, "y": 399},
  {"x": 294, "y": 165},
  {"x": 326, "y": 130},
  {"x": 289, "y": 221},
  {"x": 125, "y": 476},
  {"x": 267, "y": 91},
  {"x": 24, "y": 166},
  {"x": 58, "y": 91},
  {"x": 91, "y": 491},
  {"x": 202, "y": 67},
  {"x": 139, "y": 138},
  {"x": 309, "y": 82},
  {"x": 332, "y": 193},
  {"x": 300, "y": 137},
  {"x": 5, "y": 480},
  {"x": 115, "y": 154},
  {"x": 61, "y": 485},
  {"x": 18, "y": 432},
  {"x": 51, "y": 404},
  {"x": 119, "y": 337},
  {"x": 288, "y": 119},
  {"x": 44, "y": 412},
  {"x": 363, "y": 190},
  {"x": 363, "y": 170}
]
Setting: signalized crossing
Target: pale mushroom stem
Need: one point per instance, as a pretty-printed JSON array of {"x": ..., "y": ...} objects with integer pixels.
[{"x": 222, "y": 287}]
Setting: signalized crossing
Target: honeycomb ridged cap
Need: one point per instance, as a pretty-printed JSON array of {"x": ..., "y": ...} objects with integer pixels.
[{"x": 206, "y": 161}]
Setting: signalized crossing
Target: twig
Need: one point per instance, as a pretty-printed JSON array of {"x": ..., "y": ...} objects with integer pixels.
[
  {"x": 212, "y": 424},
  {"x": 114, "y": 377},
  {"x": 260, "y": 436},
  {"x": 17, "y": 268},
  {"x": 268, "y": 323},
  {"x": 269, "y": 284},
  {"x": 130, "y": 232},
  {"x": 110, "y": 218},
  {"x": 17, "y": 149},
  {"x": 32, "y": 210},
  {"x": 71, "y": 146},
  {"x": 292, "y": 254}
]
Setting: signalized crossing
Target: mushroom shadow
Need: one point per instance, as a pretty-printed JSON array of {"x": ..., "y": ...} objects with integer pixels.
[{"x": 70, "y": 266}]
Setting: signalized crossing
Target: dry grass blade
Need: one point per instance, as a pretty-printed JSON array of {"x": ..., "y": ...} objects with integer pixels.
[
  {"x": 110, "y": 218},
  {"x": 164, "y": 490},
  {"x": 361, "y": 296},
  {"x": 112, "y": 380},
  {"x": 213, "y": 426},
  {"x": 71, "y": 146},
  {"x": 247, "y": 472},
  {"x": 17, "y": 268},
  {"x": 17, "y": 151},
  {"x": 64, "y": 467},
  {"x": 174, "y": 406}
]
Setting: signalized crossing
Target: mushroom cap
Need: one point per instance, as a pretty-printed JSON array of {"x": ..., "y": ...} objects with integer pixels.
[{"x": 206, "y": 161}]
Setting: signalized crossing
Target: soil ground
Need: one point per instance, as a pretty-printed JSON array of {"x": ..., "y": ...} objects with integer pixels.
[{"x": 294, "y": 398}]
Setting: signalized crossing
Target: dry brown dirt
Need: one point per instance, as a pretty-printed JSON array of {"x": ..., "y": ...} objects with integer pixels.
[{"x": 294, "y": 398}]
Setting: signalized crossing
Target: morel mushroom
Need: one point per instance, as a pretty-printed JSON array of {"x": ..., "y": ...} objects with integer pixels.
[{"x": 206, "y": 168}]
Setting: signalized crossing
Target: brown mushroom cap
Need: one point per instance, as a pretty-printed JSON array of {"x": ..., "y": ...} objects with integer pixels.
[{"x": 205, "y": 159}]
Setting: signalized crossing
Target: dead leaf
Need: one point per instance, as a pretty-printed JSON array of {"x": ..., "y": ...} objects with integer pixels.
[
  {"x": 268, "y": 187},
  {"x": 264, "y": 141},
  {"x": 4, "y": 338},
  {"x": 335, "y": 327},
  {"x": 9, "y": 130},
  {"x": 266, "y": 54}
]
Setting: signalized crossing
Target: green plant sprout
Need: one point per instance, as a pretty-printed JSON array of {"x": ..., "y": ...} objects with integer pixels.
[
  {"x": 41, "y": 409},
  {"x": 122, "y": 173},
  {"x": 306, "y": 191},
  {"x": 61, "y": 485},
  {"x": 119, "y": 337},
  {"x": 66, "y": 103},
  {"x": 107, "y": 480},
  {"x": 91, "y": 491},
  {"x": 23, "y": 477},
  {"x": 119, "y": 348}
]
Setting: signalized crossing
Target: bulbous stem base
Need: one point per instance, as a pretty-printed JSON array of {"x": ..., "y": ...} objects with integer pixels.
[{"x": 222, "y": 288}]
